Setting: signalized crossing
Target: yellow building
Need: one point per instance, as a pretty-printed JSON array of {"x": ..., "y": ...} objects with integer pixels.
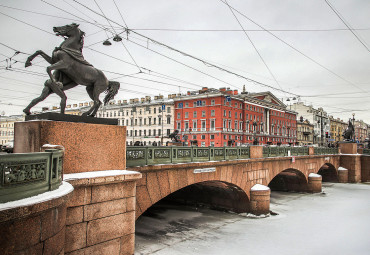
[
  {"x": 305, "y": 131},
  {"x": 7, "y": 127},
  {"x": 337, "y": 128}
]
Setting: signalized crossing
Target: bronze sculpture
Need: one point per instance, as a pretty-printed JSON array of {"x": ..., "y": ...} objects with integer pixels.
[
  {"x": 71, "y": 69},
  {"x": 348, "y": 133},
  {"x": 174, "y": 136}
]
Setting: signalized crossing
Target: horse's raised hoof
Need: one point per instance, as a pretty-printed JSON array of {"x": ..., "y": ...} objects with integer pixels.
[{"x": 27, "y": 112}]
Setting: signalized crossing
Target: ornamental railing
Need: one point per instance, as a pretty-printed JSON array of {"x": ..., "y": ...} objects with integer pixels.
[
  {"x": 28, "y": 174},
  {"x": 139, "y": 156},
  {"x": 366, "y": 151},
  {"x": 284, "y": 151},
  {"x": 325, "y": 150}
]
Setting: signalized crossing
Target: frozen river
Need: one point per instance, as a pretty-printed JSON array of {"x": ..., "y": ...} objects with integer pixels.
[{"x": 336, "y": 221}]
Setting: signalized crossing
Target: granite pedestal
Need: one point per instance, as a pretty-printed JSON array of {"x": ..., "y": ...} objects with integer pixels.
[{"x": 88, "y": 147}]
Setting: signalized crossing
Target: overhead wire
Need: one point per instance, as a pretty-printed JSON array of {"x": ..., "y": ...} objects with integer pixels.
[
  {"x": 295, "y": 49},
  {"x": 346, "y": 23},
  {"x": 254, "y": 46}
]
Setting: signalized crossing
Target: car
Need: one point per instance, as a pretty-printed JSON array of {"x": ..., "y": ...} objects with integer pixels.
[{"x": 8, "y": 147}]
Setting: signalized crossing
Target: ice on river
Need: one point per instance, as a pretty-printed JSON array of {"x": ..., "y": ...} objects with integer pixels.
[{"x": 333, "y": 222}]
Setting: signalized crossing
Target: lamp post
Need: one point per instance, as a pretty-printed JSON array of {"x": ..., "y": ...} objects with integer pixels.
[{"x": 354, "y": 128}]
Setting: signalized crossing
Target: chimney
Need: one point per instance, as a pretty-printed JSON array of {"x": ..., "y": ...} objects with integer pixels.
[
  {"x": 223, "y": 89},
  {"x": 119, "y": 102},
  {"x": 124, "y": 101},
  {"x": 74, "y": 105},
  {"x": 235, "y": 92},
  {"x": 136, "y": 100},
  {"x": 148, "y": 98},
  {"x": 86, "y": 104},
  {"x": 155, "y": 97},
  {"x": 188, "y": 93},
  {"x": 131, "y": 101},
  {"x": 160, "y": 96},
  {"x": 143, "y": 99},
  {"x": 80, "y": 104}
]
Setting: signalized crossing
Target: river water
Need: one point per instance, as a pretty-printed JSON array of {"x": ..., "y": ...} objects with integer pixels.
[{"x": 336, "y": 221}]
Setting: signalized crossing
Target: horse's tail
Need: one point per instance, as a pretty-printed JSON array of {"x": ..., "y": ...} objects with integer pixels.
[{"x": 111, "y": 91}]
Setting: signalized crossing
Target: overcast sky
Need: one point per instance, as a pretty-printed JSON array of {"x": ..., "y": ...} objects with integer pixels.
[{"x": 327, "y": 61}]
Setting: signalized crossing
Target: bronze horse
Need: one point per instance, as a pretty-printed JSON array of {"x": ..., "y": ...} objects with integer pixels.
[{"x": 71, "y": 69}]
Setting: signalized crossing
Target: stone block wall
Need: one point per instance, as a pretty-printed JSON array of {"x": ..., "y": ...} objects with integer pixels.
[
  {"x": 365, "y": 168},
  {"x": 100, "y": 216},
  {"x": 37, "y": 226},
  {"x": 353, "y": 164}
]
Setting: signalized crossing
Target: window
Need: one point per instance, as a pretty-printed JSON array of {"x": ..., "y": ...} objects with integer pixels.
[
  {"x": 194, "y": 137},
  {"x": 229, "y": 114},
  {"x": 178, "y": 115},
  {"x": 186, "y": 105},
  {"x": 212, "y": 137},
  {"x": 135, "y": 132},
  {"x": 213, "y": 113},
  {"x": 186, "y": 115},
  {"x": 168, "y": 131},
  {"x": 212, "y": 102},
  {"x": 194, "y": 104},
  {"x": 168, "y": 120},
  {"x": 154, "y": 131},
  {"x": 224, "y": 113},
  {"x": 155, "y": 110},
  {"x": 155, "y": 120},
  {"x": 186, "y": 125},
  {"x": 203, "y": 137},
  {"x": 168, "y": 109},
  {"x": 203, "y": 113},
  {"x": 178, "y": 125},
  {"x": 236, "y": 115},
  {"x": 203, "y": 103},
  {"x": 144, "y": 121},
  {"x": 225, "y": 123},
  {"x": 194, "y": 114},
  {"x": 213, "y": 124},
  {"x": 194, "y": 124},
  {"x": 150, "y": 132},
  {"x": 139, "y": 132},
  {"x": 203, "y": 125}
]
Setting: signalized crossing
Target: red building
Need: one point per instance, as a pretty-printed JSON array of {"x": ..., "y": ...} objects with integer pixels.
[{"x": 213, "y": 117}]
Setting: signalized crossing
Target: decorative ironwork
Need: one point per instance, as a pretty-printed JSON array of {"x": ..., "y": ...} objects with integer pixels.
[
  {"x": 202, "y": 153},
  {"x": 164, "y": 153},
  {"x": 232, "y": 152},
  {"x": 134, "y": 154},
  {"x": 219, "y": 152},
  {"x": 21, "y": 172},
  {"x": 183, "y": 153}
]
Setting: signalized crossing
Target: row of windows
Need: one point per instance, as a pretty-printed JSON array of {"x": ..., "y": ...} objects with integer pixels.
[
  {"x": 140, "y": 122},
  {"x": 7, "y": 133},
  {"x": 7, "y": 125},
  {"x": 122, "y": 113},
  {"x": 149, "y": 132}
]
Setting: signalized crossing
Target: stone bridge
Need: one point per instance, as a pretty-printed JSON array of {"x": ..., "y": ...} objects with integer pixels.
[{"x": 96, "y": 209}]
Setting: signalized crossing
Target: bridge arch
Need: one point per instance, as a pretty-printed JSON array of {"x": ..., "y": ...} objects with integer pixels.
[
  {"x": 226, "y": 188},
  {"x": 328, "y": 172},
  {"x": 289, "y": 180}
]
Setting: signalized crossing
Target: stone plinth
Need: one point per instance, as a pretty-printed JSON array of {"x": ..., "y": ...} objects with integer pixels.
[
  {"x": 314, "y": 183},
  {"x": 88, "y": 147},
  {"x": 353, "y": 164},
  {"x": 35, "y": 226},
  {"x": 365, "y": 168},
  {"x": 342, "y": 175},
  {"x": 260, "y": 200},
  {"x": 256, "y": 151},
  {"x": 348, "y": 148},
  {"x": 101, "y": 214},
  {"x": 311, "y": 150}
]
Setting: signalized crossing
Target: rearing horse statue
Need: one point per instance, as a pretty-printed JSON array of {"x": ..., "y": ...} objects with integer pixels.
[{"x": 71, "y": 69}]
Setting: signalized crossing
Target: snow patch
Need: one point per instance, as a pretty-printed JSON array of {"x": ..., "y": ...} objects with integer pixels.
[
  {"x": 94, "y": 174},
  {"x": 341, "y": 168},
  {"x": 63, "y": 189},
  {"x": 260, "y": 187},
  {"x": 314, "y": 175},
  {"x": 252, "y": 216},
  {"x": 51, "y": 145}
]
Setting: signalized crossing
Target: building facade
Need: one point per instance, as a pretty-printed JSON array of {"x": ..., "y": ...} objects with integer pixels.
[
  {"x": 212, "y": 117},
  {"x": 148, "y": 122},
  {"x": 7, "y": 127},
  {"x": 305, "y": 131},
  {"x": 337, "y": 128},
  {"x": 318, "y": 117},
  {"x": 361, "y": 131}
]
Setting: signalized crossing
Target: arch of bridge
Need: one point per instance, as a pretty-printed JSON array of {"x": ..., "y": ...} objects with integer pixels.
[{"x": 161, "y": 180}]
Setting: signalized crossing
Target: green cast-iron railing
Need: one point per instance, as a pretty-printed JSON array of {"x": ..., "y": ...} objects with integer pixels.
[
  {"x": 28, "y": 174},
  {"x": 140, "y": 156}
]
